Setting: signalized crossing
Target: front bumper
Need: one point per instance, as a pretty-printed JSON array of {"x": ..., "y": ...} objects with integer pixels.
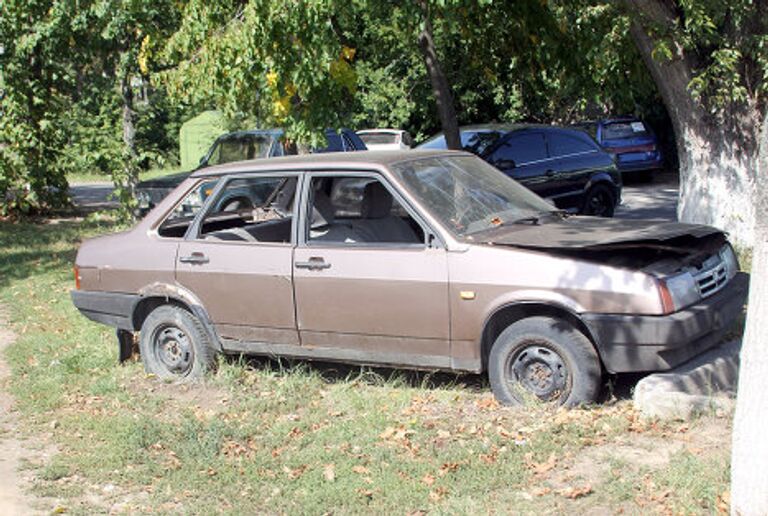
[
  {"x": 634, "y": 343},
  {"x": 110, "y": 308}
]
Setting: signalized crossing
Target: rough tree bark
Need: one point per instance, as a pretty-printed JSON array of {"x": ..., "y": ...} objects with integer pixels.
[
  {"x": 440, "y": 87},
  {"x": 717, "y": 153},
  {"x": 131, "y": 173},
  {"x": 749, "y": 456}
]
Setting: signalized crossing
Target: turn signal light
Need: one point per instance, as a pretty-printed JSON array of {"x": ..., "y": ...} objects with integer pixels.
[
  {"x": 77, "y": 277},
  {"x": 667, "y": 304}
]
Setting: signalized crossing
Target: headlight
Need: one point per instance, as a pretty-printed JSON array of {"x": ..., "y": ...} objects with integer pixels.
[
  {"x": 677, "y": 292},
  {"x": 731, "y": 261}
]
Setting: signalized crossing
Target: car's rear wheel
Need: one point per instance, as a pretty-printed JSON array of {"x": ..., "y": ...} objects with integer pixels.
[
  {"x": 175, "y": 345},
  {"x": 544, "y": 359},
  {"x": 599, "y": 202}
]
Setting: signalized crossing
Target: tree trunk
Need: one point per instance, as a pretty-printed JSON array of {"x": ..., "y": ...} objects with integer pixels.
[
  {"x": 749, "y": 456},
  {"x": 716, "y": 154},
  {"x": 130, "y": 156},
  {"x": 440, "y": 87}
]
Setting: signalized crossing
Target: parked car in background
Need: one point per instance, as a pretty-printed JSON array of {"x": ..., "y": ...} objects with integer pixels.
[
  {"x": 427, "y": 260},
  {"x": 240, "y": 146},
  {"x": 632, "y": 143},
  {"x": 385, "y": 139},
  {"x": 565, "y": 166}
]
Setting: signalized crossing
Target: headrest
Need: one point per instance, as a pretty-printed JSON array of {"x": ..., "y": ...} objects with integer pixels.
[{"x": 377, "y": 201}]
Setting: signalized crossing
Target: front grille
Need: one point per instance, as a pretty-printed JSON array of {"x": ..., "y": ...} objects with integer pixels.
[{"x": 712, "y": 276}]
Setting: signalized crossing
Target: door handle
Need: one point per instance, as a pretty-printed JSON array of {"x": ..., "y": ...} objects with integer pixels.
[
  {"x": 314, "y": 263},
  {"x": 194, "y": 258}
]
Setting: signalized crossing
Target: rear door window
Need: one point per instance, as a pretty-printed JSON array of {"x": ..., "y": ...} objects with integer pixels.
[
  {"x": 561, "y": 145},
  {"x": 522, "y": 149}
]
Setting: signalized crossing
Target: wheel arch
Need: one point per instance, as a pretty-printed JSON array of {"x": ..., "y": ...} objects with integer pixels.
[
  {"x": 158, "y": 294},
  {"x": 510, "y": 313}
]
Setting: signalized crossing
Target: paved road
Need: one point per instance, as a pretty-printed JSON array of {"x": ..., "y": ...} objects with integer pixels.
[
  {"x": 92, "y": 196},
  {"x": 656, "y": 200}
]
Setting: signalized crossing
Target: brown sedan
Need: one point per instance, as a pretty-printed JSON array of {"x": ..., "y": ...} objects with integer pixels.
[{"x": 430, "y": 260}]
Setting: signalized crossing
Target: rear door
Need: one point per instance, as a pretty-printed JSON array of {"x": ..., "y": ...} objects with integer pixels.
[
  {"x": 523, "y": 156},
  {"x": 237, "y": 259},
  {"x": 574, "y": 158}
]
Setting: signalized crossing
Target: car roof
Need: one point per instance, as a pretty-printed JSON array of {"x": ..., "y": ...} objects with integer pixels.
[
  {"x": 375, "y": 131},
  {"x": 343, "y": 160}
]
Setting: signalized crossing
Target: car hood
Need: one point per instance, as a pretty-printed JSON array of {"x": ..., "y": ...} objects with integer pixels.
[
  {"x": 594, "y": 233},
  {"x": 169, "y": 181}
]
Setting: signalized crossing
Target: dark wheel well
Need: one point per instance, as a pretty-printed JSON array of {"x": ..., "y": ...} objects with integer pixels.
[
  {"x": 144, "y": 307},
  {"x": 507, "y": 315}
]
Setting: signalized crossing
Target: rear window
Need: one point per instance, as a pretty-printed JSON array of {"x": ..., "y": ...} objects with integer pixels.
[
  {"x": 379, "y": 138},
  {"x": 619, "y": 130}
]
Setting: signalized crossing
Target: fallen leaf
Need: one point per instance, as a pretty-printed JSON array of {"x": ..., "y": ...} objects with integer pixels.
[
  {"x": 575, "y": 492},
  {"x": 447, "y": 468},
  {"x": 329, "y": 472},
  {"x": 540, "y": 491},
  {"x": 443, "y": 434},
  {"x": 723, "y": 503},
  {"x": 361, "y": 470},
  {"x": 438, "y": 494},
  {"x": 428, "y": 479}
]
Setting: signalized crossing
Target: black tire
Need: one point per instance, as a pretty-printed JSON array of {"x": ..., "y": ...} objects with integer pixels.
[
  {"x": 175, "y": 345},
  {"x": 544, "y": 359},
  {"x": 600, "y": 201}
]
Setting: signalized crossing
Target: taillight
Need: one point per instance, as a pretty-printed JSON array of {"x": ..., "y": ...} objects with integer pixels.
[
  {"x": 667, "y": 304},
  {"x": 77, "y": 277}
]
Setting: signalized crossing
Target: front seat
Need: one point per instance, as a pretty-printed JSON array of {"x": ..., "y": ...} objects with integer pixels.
[
  {"x": 323, "y": 226},
  {"x": 377, "y": 219}
]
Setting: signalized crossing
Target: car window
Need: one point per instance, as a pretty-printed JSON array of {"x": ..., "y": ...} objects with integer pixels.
[
  {"x": 251, "y": 210},
  {"x": 477, "y": 142},
  {"x": 379, "y": 138},
  {"x": 354, "y": 210},
  {"x": 240, "y": 148},
  {"x": 521, "y": 149},
  {"x": 566, "y": 145},
  {"x": 178, "y": 220},
  {"x": 617, "y": 130}
]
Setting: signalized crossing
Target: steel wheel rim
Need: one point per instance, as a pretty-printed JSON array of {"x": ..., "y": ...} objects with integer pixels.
[
  {"x": 599, "y": 203},
  {"x": 173, "y": 349},
  {"x": 540, "y": 371}
]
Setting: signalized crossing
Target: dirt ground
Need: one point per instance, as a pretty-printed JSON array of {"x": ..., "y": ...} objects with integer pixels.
[{"x": 14, "y": 487}]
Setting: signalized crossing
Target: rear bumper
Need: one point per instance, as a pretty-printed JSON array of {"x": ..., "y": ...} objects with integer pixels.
[
  {"x": 634, "y": 343},
  {"x": 110, "y": 308}
]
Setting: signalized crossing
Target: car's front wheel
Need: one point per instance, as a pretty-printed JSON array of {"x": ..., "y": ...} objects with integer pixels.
[
  {"x": 544, "y": 359},
  {"x": 600, "y": 201},
  {"x": 175, "y": 345}
]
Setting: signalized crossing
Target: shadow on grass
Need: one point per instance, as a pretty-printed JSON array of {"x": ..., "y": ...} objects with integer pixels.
[
  {"x": 616, "y": 387},
  {"x": 336, "y": 373},
  {"x": 37, "y": 246}
]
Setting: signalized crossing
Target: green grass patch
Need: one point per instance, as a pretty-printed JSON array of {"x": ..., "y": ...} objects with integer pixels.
[{"x": 293, "y": 437}]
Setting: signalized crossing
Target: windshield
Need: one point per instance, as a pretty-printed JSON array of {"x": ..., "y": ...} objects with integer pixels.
[
  {"x": 240, "y": 148},
  {"x": 467, "y": 195},
  {"x": 475, "y": 141}
]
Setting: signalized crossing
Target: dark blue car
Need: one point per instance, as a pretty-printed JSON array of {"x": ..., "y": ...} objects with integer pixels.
[
  {"x": 565, "y": 166},
  {"x": 632, "y": 143}
]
